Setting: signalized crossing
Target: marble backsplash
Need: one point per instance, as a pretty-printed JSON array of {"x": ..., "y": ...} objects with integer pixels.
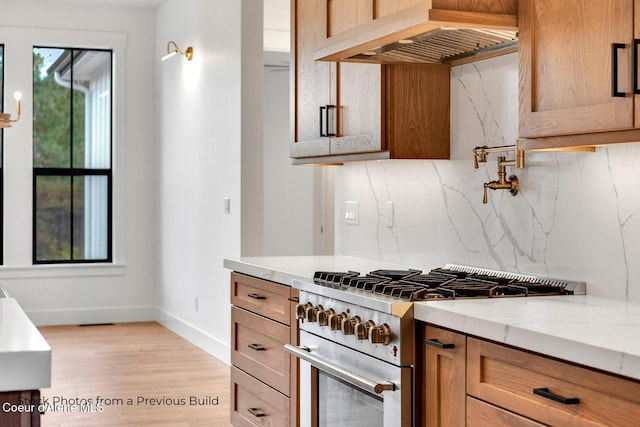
[{"x": 575, "y": 217}]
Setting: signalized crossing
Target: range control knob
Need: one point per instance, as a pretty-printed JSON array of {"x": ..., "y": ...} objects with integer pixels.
[
  {"x": 380, "y": 334},
  {"x": 362, "y": 329},
  {"x": 335, "y": 320},
  {"x": 349, "y": 324},
  {"x": 312, "y": 312},
  {"x": 323, "y": 316},
  {"x": 301, "y": 310}
]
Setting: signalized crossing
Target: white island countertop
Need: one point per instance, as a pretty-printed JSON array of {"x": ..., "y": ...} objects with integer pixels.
[
  {"x": 25, "y": 356},
  {"x": 597, "y": 332}
]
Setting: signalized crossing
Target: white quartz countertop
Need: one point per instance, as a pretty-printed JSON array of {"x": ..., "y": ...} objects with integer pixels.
[
  {"x": 596, "y": 332},
  {"x": 286, "y": 268},
  {"x": 25, "y": 356}
]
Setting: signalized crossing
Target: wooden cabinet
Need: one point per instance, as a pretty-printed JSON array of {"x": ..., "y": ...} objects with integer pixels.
[
  {"x": 20, "y": 408},
  {"x": 576, "y": 69},
  {"x": 264, "y": 375},
  {"x": 549, "y": 391},
  {"x": 444, "y": 377},
  {"x": 348, "y": 111},
  {"x": 482, "y": 414},
  {"x": 462, "y": 380}
]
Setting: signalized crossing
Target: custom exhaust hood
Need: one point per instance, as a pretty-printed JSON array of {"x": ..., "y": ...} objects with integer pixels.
[{"x": 425, "y": 33}]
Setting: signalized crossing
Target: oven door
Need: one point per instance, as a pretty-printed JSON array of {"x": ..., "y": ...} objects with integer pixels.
[{"x": 343, "y": 387}]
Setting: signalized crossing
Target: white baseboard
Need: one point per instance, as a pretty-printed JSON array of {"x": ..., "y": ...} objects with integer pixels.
[
  {"x": 212, "y": 345},
  {"x": 92, "y": 316}
]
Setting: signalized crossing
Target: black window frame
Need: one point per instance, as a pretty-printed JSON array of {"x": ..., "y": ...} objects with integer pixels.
[
  {"x": 72, "y": 173},
  {"x": 2, "y": 157}
]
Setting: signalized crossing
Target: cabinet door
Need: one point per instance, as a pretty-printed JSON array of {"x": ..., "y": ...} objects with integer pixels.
[
  {"x": 311, "y": 80},
  {"x": 337, "y": 107},
  {"x": 445, "y": 373},
  {"x": 358, "y": 86},
  {"x": 566, "y": 64}
]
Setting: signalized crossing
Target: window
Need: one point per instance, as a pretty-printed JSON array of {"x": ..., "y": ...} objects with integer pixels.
[
  {"x": 72, "y": 155},
  {"x": 1, "y": 155}
]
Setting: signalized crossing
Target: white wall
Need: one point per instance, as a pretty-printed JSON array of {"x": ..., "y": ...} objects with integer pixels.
[
  {"x": 201, "y": 138},
  {"x": 90, "y": 293},
  {"x": 576, "y": 216}
]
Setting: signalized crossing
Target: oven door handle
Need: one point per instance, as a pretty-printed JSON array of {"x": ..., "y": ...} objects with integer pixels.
[{"x": 348, "y": 376}]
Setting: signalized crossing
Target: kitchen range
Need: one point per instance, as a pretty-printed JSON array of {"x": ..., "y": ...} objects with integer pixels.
[{"x": 356, "y": 345}]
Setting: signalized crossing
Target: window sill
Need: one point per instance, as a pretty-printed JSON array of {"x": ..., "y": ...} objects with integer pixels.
[{"x": 62, "y": 270}]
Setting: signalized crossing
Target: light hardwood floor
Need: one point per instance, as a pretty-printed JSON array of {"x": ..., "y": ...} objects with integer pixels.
[{"x": 132, "y": 364}]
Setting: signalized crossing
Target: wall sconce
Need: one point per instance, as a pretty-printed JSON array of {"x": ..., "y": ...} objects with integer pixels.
[
  {"x": 176, "y": 50},
  {"x": 5, "y": 118}
]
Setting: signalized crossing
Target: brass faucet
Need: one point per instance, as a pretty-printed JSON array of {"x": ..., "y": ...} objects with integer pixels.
[{"x": 511, "y": 184}]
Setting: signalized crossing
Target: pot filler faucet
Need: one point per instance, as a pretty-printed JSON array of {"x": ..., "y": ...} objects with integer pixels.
[{"x": 511, "y": 184}]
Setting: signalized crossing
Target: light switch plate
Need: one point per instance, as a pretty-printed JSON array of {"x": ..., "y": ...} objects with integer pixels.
[{"x": 351, "y": 216}]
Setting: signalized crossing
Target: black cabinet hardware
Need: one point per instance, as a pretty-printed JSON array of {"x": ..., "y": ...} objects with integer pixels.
[
  {"x": 615, "y": 47},
  {"x": 256, "y": 347},
  {"x": 438, "y": 344},
  {"x": 324, "y": 120},
  {"x": 635, "y": 44},
  {"x": 544, "y": 392},
  {"x": 256, "y": 296},
  {"x": 256, "y": 412}
]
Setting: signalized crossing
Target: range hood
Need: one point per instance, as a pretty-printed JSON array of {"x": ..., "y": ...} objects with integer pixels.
[{"x": 423, "y": 34}]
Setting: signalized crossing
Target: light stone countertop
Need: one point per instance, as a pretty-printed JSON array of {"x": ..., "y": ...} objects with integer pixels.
[
  {"x": 25, "y": 356},
  {"x": 593, "y": 331}
]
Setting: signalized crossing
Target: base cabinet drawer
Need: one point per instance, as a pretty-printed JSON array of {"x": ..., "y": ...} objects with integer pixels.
[
  {"x": 549, "y": 391},
  {"x": 262, "y": 297},
  {"x": 482, "y": 414},
  {"x": 256, "y": 404},
  {"x": 258, "y": 348}
]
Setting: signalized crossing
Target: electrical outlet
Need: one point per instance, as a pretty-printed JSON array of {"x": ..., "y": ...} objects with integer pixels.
[{"x": 351, "y": 213}]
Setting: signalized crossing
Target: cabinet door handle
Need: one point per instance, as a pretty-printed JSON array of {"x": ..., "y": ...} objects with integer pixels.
[
  {"x": 256, "y": 296},
  {"x": 256, "y": 347},
  {"x": 635, "y": 44},
  {"x": 615, "y": 47},
  {"x": 324, "y": 120},
  {"x": 294, "y": 299},
  {"x": 256, "y": 412},
  {"x": 438, "y": 344},
  {"x": 544, "y": 392}
]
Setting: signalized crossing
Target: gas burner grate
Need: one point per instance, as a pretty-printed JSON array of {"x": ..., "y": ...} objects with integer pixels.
[
  {"x": 394, "y": 275},
  {"x": 569, "y": 287},
  {"x": 332, "y": 277}
]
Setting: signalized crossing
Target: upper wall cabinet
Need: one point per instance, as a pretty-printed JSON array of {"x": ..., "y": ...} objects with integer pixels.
[
  {"x": 350, "y": 111},
  {"x": 578, "y": 73}
]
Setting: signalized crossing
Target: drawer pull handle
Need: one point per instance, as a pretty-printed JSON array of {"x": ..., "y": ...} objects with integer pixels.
[
  {"x": 544, "y": 392},
  {"x": 256, "y": 412},
  {"x": 256, "y": 347},
  {"x": 438, "y": 344},
  {"x": 256, "y": 296},
  {"x": 294, "y": 299}
]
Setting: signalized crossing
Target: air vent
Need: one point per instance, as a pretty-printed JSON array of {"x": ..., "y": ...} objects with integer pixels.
[{"x": 442, "y": 46}]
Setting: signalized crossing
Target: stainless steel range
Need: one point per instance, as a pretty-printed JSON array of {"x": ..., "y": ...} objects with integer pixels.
[{"x": 357, "y": 336}]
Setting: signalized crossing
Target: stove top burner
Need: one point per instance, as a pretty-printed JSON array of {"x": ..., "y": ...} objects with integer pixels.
[{"x": 440, "y": 283}]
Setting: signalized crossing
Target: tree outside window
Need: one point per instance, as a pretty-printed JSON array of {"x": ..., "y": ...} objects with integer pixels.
[{"x": 72, "y": 171}]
